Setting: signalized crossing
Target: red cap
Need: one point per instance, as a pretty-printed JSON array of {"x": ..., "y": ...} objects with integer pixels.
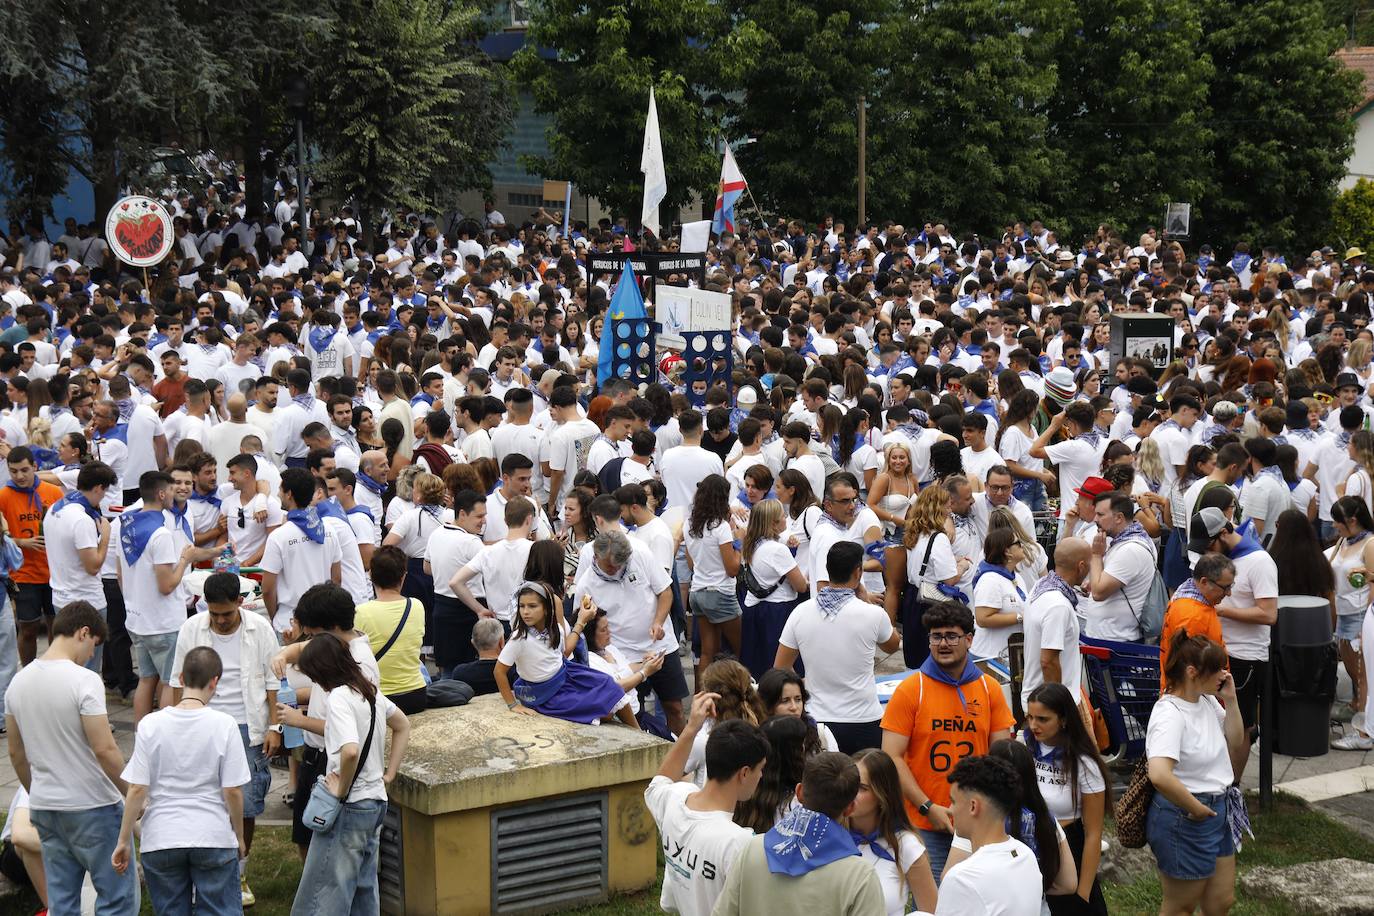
[{"x": 1094, "y": 487}]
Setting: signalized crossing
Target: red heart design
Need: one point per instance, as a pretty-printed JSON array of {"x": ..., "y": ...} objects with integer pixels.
[
  {"x": 142, "y": 237},
  {"x": 123, "y": 206}
]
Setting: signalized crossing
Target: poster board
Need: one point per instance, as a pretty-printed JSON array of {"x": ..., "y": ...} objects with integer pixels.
[
  {"x": 710, "y": 359},
  {"x": 649, "y": 267},
  {"x": 1142, "y": 334},
  {"x": 1177, "y": 220},
  {"x": 138, "y": 230},
  {"x": 680, "y": 311}
]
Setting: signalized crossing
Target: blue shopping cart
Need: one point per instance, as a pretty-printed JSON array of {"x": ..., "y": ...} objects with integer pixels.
[{"x": 1123, "y": 681}]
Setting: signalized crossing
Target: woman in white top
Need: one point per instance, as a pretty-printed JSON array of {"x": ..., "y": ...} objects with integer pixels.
[
  {"x": 1352, "y": 560},
  {"x": 930, "y": 560},
  {"x": 998, "y": 601},
  {"x": 1013, "y": 442},
  {"x": 771, "y": 585},
  {"x": 1196, "y": 751},
  {"x": 1361, "y": 483},
  {"x": 340, "y": 874},
  {"x": 1073, "y": 782},
  {"x": 715, "y": 561},
  {"x": 1302, "y": 491},
  {"x": 803, "y": 512},
  {"x": 783, "y": 693},
  {"x": 852, "y": 451},
  {"x": 603, "y": 656},
  {"x": 549, "y": 684},
  {"x": 412, "y": 532},
  {"x": 1036, "y": 564},
  {"x": 894, "y": 490},
  {"x": 879, "y": 825}
]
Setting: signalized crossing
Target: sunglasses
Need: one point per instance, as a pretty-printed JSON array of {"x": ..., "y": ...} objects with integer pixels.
[{"x": 242, "y": 518}]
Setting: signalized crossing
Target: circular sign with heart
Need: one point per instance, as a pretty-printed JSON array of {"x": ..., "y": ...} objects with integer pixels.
[{"x": 139, "y": 231}]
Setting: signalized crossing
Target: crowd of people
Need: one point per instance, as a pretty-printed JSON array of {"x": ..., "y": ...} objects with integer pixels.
[{"x": 922, "y": 444}]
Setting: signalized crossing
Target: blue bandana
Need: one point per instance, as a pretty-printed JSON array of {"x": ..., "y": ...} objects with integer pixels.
[
  {"x": 308, "y": 520},
  {"x": 35, "y": 503},
  {"x": 136, "y": 529},
  {"x": 1053, "y": 582},
  {"x": 931, "y": 669},
  {"x": 210, "y": 498},
  {"x": 126, "y": 409},
  {"x": 1189, "y": 589},
  {"x": 75, "y": 498},
  {"x": 361, "y": 510},
  {"x": 985, "y": 568},
  {"x": 874, "y": 842},
  {"x": 327, "y": 508},
  {"x": 805, "y": 840},
  {"x": 371, "y": 484},
  {"x": 422, "y": 398},
  {"x": 320, "y": 337},
  {"x": 1133, "y": 532},
  {"x": 179, "y": 520},
  {"x": 305, "y": 401},
  {"x": 830, "y": 600}
]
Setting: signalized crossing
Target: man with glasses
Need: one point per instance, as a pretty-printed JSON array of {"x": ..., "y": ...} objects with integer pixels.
[
  {"x": 838, "y": 509},
  {"x": 945, "y": 712},
  {"x": 1194, "y": 605},
  {"x": 248, "y": 516},
  {"x": 997, "y": 484}
]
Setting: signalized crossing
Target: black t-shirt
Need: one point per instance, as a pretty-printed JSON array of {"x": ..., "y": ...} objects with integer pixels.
[{"x": 479, "y": 675}]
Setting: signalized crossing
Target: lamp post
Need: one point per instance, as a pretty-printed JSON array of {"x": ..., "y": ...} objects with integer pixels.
[{"x": 297, "y": 95}]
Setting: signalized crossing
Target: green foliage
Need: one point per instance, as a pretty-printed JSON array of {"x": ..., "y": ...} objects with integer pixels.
[
  {"x": 596, "y": 91},
  {"x": 960, "y": 130},
  {"x": 1129, "y": 113},
  {"x": 1281, "y": 126},
  {"x": 416, "y": 110},
  {"x": 1352, "y": 215}
]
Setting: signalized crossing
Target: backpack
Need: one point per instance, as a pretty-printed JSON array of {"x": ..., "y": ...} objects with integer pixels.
[
  {"x": 609, "y": 475},
  {"x": 1150, "y": 617}
]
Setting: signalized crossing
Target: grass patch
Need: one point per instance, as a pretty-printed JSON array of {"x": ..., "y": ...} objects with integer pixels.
[{"x": 1289, "y": 834}]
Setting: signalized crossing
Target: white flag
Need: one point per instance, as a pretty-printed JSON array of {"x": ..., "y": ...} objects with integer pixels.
[{"x": 651, "y": 164}]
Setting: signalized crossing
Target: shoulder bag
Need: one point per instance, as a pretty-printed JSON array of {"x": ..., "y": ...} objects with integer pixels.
[{"x": 322, "y": 810}]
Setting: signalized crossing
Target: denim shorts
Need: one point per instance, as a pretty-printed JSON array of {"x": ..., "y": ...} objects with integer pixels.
[
  {"x": 1185, "y": 849},
  {"x": 716, "y": 607},
  {"x": 154, "y": 655},
  {"x": 1348, "y": 626},
  {"x": 255, "y": 793}
]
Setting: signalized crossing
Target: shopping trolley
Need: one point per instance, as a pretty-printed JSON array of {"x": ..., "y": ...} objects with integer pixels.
[{"x": 1123, "y": 681}]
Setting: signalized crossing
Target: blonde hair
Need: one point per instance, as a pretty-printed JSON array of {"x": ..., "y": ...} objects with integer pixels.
[
  {"x": 1358, "y": 355},
  {"x": 1002, "y": 517},
  {"x": 431, "y": 489},
  {"x": 927, "y": 515},
  {"x": 1148, "y": 461},
  {"x": 40, "y": 433},
  {"x": 763, "y": 518},
  {"x": 887, "y": 457},
  {"x": 738, "y": 698}
]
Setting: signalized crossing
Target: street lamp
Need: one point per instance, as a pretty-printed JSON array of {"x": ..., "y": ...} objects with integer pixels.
[{"x": 297, "y": 95}]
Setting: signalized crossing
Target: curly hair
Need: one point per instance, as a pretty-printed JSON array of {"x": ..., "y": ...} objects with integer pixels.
[
  {"x": 710, "y": 505},
  {"x": 926, "y": 516},
  {"x": 738, "y": 698}
]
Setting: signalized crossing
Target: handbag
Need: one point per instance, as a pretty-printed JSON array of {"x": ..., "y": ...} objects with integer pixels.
[
  {"x": 322, "y": 810},
  {"x": 751, "y": 583},
  {"x": 405, "y": 615},
  {"x": 929, "y": 592},
  {"x": 1133, "y": 807}
]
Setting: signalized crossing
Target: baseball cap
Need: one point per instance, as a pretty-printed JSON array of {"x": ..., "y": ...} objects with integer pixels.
[
  {"x": 1205, "y": 527},
  {"x": 1094, "y": 487},
  {"x": 747, "y": 397}
]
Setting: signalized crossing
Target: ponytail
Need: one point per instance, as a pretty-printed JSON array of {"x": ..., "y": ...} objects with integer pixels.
[{"x": 1196, "y": 651}]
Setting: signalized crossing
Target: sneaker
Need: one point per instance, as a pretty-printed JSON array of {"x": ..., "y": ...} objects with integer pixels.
[
  {"x": 246, "y": 892},
  {"x": 1353, "y": 742}
]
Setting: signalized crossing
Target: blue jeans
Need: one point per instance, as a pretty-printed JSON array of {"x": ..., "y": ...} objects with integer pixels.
[
  {"x": 9, "y": 647},
  {"x": 211, "y": 874},
  {"x": 340, "y": 874},
  {"x": 937, "y": 844},
  {"x": 78, "y": 842}
]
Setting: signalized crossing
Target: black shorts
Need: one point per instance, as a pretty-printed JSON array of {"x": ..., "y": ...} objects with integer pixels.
[
  {"x": 669, "y": 682},
  {"x": 311, "y": 768},
  {"x": 12, "y": 867},
  {"x": 34, "y": 602}
]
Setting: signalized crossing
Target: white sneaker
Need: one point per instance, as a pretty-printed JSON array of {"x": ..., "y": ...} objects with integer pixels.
[{"x": 1353, "y": 742}]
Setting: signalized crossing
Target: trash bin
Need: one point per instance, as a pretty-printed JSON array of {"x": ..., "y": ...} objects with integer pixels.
[{"x": 1302, "y": 651}]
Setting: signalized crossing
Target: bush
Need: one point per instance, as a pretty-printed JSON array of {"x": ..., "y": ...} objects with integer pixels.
[{"x": 1352, "y": 215}]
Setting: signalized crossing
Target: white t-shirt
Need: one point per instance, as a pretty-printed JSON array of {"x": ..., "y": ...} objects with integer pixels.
[
  {"x": 811, "y": 466},
  {"x": 656, "y": 535},
  {"x": 501, "y": 567},
  {"x": 838, "y": 653},
  {"x": 997, "y": 592},
  {"x": 683, "y": 468},
  {"x": 186, "y": 757},
  {"x": 248, "y": 537},
  {"x": 532, "y": 656},
  {"x": 771, "y": 563},
  {"x": 568, "y": 446},
  {"x": 1256, "y": 577},
  {"x": 1191, "y": 735},
  {"x": 66, "y": 532},
  {"x": 1051, "y": 623},
  {"x": 346, "y": 720},
  {"x": 47, "y": 699},
  {"x": 1173, "y": 450},
  {"x": 1053, "y": 778},
  {"x": 150, "y": 611},
  {"x": 1334, "y": 465},
  {"x": 298, "y": 563},
  {"x": 1000, "y": 879},
  {"x": 353, "y": 577},
  {"x": 1015, "y": 448},
  {"x": 416, "y": 527},
  {"x": 942, "y": 566},
  {"x": 1132, "y": 563},
  {"x": 699, "y": 847},
  {"x": 892, "y": 875},
  {"x": 1264, "y": 497},
  {"x": 144, "y": 427},
  {"x": 977, "y": 464},
  {"x": 446, "y": 552},
  {"x": 708, "y": 568},
  {"x": 1077, "y": 461}
]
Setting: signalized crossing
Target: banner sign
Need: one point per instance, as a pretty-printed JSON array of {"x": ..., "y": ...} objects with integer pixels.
[{"x": 139, "y": 231}]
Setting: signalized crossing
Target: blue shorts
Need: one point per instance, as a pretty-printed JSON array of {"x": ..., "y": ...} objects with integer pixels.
[
  {"x": 154, "y": 655},
  {"x": 1348, "y": 626},
  {"x": 1185, "y": 849},
  {"x": 255, "y": 793},
  {"x": 716, "y": 607},
  {"x": 681, "y": 566}
]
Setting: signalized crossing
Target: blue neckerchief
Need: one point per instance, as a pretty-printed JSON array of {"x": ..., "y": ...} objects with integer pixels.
[
  {"x": 1343, "y": 439},
  {"x": 179, "y": 520},
  {"x": 986, "y": 568},
  {"x": 35, "y": 503},
  {"x": 327, "y": 508},
  {"x": 1271, "y": 471},
  {"x": 1093, "y": 438},
  {"x": 874, "y": 842},
  {"x": 1305, "y": 434},
  {"x": 805, "y": 840},
  {"x": 371, "y": 484},
  {"x": 210, "y": 498},
  {"x": 1053, "y": 582},
  {"x": 829, "y": 600},
  {"x": 931, "y": 669},
  {"x": 74, "y": 498},
  {"x": 374, "y": 336},
  {"x": 308, "y": 520},
  {"x": 434, "y": 512},
  {"x": 55, "y": 411},
  {"x": 435, "y": 324},
  {"x": 45, "y": 458},
  {"x": 136, "y": 529},
  {"x": 1213, "y": 431},
  {"x": 156, "y": 340},
  {"x": 607, "y": 577},
  {"x": 827, "y": 517},
  {"x": 1248, "y": 545},
  {"x": 1189, "y": 589},
  {"x": 305, "y": 401},
  {"x": 320, "y": 337},
  {"x": 126, "y": 409},
  {"x": 1240, "y": 262},
  {"x": 361, "y": 510},
  {"x": 422, "y": 398},
  {"x": 1052, "y": 756},
  {"x": 119, "y": 433},
  {"x": 987, "y": 408}
]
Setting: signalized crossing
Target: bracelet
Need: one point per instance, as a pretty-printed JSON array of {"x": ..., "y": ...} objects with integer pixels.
[{"x": 513, "y": 705}]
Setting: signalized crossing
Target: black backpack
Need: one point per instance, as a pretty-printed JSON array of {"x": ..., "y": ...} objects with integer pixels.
[{"x": 609, "y": 475}]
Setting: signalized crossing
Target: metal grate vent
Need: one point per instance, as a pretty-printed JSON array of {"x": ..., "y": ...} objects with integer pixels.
[
  {"x": 548, "y": 855},
  {"x": 390, "y": 863}
]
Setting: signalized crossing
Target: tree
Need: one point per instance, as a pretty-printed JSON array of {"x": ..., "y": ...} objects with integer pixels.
[
  {"x": 800, "y": 99},
  {"x": 1352, "y": 215},
  {"x": 108, "y": 80},
  {"x": 1129, "y": 116},
  {"x": 959, "y": 130},
  {"x": 416, "y": 111},
  {"x": 595, "y": 89},
  {"x": 1280, "y": 117}
]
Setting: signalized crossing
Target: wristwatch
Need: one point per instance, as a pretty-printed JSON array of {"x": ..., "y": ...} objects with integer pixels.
[
  {"x": 275, "y": 728},
  {"x": 925, "y": 808}
]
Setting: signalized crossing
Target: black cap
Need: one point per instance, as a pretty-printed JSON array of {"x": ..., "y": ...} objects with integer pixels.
[{"x": 1348, "y": 380}]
